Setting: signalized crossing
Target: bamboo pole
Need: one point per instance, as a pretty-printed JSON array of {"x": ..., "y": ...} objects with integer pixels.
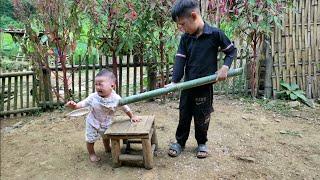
[
  {"x": 176, "y": 87},
  {"x": 317, "y": 47},
  {"x": 290, "y": 53},
  {"x": 299, "y": 50},
  {"x": 294, "y": 47},
  {"x": 304, "y": 45}
]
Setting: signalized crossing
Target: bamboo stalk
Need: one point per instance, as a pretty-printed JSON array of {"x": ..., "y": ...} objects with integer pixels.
[
  {"x": 317, "y": 48},
  {"x": 290, "y": 52},
  {"x": 299, "y": 52},
  {"x": 295, "y": 57},
  {"x": 176, "y": 87},
  {"x": 278, "y": 70},
  {"x": 304, "y": 44}
]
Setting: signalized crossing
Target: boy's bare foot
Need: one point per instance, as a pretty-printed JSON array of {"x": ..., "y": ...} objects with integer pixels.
[{"x": 94, "y": 158}]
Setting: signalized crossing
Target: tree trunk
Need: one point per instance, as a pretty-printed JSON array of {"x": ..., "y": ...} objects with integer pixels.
[
  {"x": 268, "y": 73},
  {"x": 65, "y": 78},
  {"x": 152, "y": 75}
]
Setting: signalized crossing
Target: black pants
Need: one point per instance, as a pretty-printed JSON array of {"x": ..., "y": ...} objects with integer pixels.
[{"x": 196, "y": 103}]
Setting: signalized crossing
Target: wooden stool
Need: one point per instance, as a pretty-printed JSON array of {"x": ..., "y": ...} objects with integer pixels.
[{"x": 123, "y": 129}]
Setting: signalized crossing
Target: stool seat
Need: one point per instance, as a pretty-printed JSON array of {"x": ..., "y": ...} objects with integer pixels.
[{"x": 144, "y": 131}]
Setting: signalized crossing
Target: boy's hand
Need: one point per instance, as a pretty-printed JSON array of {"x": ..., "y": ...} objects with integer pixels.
[
  {"x": 169, "y": 85},
  {"x": 72, "y": 105},
  {"x": 135, "y": 119},
  {"x": 222, "y": 73}
]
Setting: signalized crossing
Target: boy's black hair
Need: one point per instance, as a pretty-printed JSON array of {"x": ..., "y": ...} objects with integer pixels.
[
  {"x": 183, "y": 8},
  {"x": 107, "y": 73}
]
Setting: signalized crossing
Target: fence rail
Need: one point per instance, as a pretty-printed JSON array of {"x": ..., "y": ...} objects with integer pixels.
[
  {"x": 27, "y": 92},
  {"x": 16, "y": 94}
]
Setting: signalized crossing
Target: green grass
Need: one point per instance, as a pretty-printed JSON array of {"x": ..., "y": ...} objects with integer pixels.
[
  {"x": 8, "y": 47},
  {"x": 277, "y": 106}
]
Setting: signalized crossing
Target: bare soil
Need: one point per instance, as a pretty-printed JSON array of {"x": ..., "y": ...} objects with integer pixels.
[{"x": 245, "y": 141}]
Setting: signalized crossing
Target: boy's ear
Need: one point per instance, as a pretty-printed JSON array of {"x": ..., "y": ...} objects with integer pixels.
[{"x": 194, "y": 15}]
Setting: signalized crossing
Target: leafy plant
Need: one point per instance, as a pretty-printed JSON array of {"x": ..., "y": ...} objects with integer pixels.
[
  {"x": 292, "y": 92},
  {"x": 58, "y": 23},
  {"x": 250, "y": 21}
]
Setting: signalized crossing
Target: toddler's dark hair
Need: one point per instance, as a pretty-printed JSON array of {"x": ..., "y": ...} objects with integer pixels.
[
  {"x": 107, "y": 73},
  {"x": 183, "y": 8}
]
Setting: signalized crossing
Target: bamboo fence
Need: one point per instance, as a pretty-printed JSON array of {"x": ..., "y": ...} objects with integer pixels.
[{"x": 296, "y": 49}]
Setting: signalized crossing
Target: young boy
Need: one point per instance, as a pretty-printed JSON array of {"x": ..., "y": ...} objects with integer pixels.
[
  {"x": 100, "y": 116},
  {"x": 196, "y": 58}
]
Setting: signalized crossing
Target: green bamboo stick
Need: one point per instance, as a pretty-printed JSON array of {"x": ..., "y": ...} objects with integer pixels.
[{"x": 176, "y": 87}]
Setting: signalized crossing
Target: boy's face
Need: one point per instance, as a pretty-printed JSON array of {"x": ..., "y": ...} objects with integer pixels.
[
  {"x": 188, "y": 24},
  {"x": 104, "y": 86}
]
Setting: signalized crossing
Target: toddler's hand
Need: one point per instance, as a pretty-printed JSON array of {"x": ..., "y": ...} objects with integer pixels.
[
  {"x": 135, "y": 119},
  {"x": 71, "y": 104}
]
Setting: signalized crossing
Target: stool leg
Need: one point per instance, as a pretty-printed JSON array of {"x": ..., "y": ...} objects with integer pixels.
[
  {"x": 115, "y": 151},
  {"x": 147, "y": 153},
  {"x": 154, "y": 139}
]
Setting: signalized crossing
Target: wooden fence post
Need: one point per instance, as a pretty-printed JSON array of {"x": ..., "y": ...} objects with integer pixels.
[{"x": 47, "y": 90}]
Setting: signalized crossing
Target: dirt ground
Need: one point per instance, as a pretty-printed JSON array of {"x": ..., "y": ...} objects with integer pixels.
[{"x": 245, "y": 140}]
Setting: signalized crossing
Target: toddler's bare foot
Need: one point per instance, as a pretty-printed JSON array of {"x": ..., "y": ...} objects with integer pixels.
[{"x": 94, "y": 158}]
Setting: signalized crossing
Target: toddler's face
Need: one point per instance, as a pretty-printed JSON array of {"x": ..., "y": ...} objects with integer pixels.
[{"x": 104, "y": 86}]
